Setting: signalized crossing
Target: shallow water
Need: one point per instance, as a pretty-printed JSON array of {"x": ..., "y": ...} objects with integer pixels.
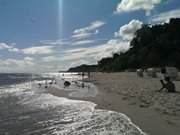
[{"x": 27, "y": 110}]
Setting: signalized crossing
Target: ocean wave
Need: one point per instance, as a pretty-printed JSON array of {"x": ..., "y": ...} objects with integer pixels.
[{"x": 28, "y": 110}]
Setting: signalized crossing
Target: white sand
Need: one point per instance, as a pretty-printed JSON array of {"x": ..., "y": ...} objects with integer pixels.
[{"x": 155, "y": 113}]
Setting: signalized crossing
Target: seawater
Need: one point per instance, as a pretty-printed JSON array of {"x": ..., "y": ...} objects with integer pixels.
[{"x": 26, "y": 109}]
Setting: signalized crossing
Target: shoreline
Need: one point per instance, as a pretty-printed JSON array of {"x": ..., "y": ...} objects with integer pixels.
[{"x": 118, "y": 92}]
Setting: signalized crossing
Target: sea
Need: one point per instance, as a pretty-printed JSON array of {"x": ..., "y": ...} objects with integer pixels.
[{"x": 26, "y": 108}]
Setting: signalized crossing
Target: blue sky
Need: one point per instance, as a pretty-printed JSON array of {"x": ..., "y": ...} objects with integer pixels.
[{"x": 52, "y": 35}]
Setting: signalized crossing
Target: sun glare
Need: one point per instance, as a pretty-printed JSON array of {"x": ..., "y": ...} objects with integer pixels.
[{"x": 60, "y": 12}]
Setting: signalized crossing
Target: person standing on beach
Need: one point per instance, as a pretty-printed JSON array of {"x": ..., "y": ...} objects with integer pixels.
[
  {"x": 39, "y": 84},
  {"x": 163, "y": 72},
  {"x": 89, "y": 75},
  {"x": 140, "y": 72},
  {"x": 83, "y": 75},
  {"x": 46, "y": 84},
  {"x": 170, "y": 86}
]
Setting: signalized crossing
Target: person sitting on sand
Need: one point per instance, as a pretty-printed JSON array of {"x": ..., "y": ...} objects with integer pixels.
[{"x": 170, "y": 86}]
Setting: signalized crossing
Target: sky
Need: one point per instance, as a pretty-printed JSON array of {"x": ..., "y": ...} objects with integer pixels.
[{"x": 54, "y": 35}]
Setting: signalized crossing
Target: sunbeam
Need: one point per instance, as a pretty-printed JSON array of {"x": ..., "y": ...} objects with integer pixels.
[{"x": 60, "y": 12}]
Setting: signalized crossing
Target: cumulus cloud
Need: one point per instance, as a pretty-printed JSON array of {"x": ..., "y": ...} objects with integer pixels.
[
  {"x": 165, "y": 16},
  {"x": 16, "y": 65},
  {"x": 111, "y": 47},
  {"x": 127, "y": 31},
  {"x": 67, "y": 58},
  {"x": 17, "y": 62},
  {"x": 46, "y": 59},
  {"x": 10, "y": 48},
  {"x": 97, "y": 52},
  {"x": 13, "y": 49},
  {"x": 80, "y": 62},
  {"x": 118, "y": 44},
  {"x": 38, "y": 50},
  {"x": 88, "y": 31},
  {"x": 4, "y": 46},
  {"x": 133, "y": 5}
]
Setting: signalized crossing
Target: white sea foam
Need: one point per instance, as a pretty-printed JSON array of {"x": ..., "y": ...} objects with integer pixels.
[
  {"x": 81, "y": 117},
  {"x": 65, "y": 116},
  {"x": 77, "y": 88},
  {"x": 15, "y": 88},
  {"x": 44, "y": 101}
]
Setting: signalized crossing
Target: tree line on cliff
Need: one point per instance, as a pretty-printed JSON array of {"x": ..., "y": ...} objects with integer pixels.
[{"x": 152, "y": 46}]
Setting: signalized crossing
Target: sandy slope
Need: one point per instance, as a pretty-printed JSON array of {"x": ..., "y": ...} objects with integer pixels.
[{"x": 156, "y": 113}]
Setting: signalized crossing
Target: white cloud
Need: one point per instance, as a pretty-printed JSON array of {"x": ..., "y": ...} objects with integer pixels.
[
  {"x": 119, "y": 43},
  {"x": 13, "y": 50},
  {"x": 38, "y": 50},
  {"x": 49, "y": 59},
  {"x": 16, "y": 65},
  {"x": 88, "y": 31},
  {"x": 133, "y": 5},
  {"x": 165, "y": 16},
  {"x": 10, "y": 48},
  {"x": 80, "y": 62},
  {"x": 29, "y": 51},
  {"x": 28, "y": 58},
  {"x": 83, "y": 42},
  {"x": 127, "y": 31},
  {"x": 97, "y": 52},
  {"x": 111, "y": 47},
  {"x": 59, "y": 42},
  {"x": 92, "y": 26},
  {"x": 83, "y": 35},
  {"x": 4, "y": 46},
  {"x": 67, "y": 58}
]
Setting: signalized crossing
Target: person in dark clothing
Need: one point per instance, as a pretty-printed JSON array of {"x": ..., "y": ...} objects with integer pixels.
[
  {"x": 67, "y": 84},
  {"x": 39, "y": 85},
  {"x": 163, "y": 70},
  {"x": 169, "y": 86}
]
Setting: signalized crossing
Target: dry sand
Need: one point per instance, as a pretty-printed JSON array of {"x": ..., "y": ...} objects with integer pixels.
[{"x": 156, "y": 113}]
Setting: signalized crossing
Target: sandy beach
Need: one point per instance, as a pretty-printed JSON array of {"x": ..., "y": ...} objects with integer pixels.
[{"x": 156, "y": 113}]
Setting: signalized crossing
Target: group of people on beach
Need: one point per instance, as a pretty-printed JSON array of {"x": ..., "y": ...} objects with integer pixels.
[
  {"x": 66, "y": 83},
  {"x": 53, "y": 81}
]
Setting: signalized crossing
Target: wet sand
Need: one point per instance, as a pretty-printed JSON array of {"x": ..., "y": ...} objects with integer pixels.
[{"x": 155, "y": 113}]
